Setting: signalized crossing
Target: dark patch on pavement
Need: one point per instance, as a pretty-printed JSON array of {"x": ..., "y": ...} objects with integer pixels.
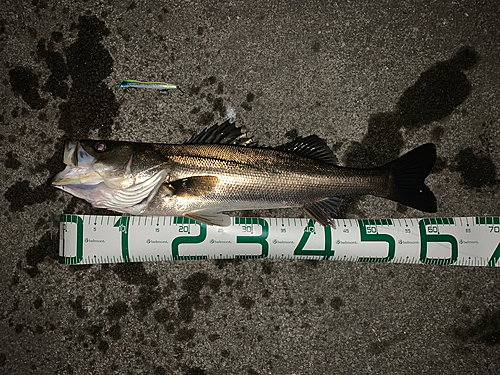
[
  {"x": 46, "y": 247},
  {"x": 206, "y": 119},
  {"x": 292, "y": 134},
  {"x": 11, "y": 162},
  {"x": 194, "y": 90},
  {"x": 53, "y": 164},
  {"x": 96, "y": 331},
  {"x": 267, "y": 268},
  {"x": 221, "y": 263},
  {"x": 485, "y": 330},
  {"x": 194, "y": 371},
  {"x": 38, "y": 303},
  {"x": 2, "y": 26},
  {"x": 148, "y": 296},
  {"x": 115, "y": 332},
  {"x": 266, "y": 293},
  {"x": 77, "y": 306},
  {"x": 336, "y": 303},
  {"x": 439, "y": 165},
  {"x": 208, "y": 81},
  {"x": 20, "y": 194},
  {"x": 57, "y": 82},
  {"x": 437, "y": 133},
  {"x": 164, "y": 315},
  {"x": 316, "y": 46},
  {"x": 246, "y": 302},
  {"x": 117, "y": 310},
  {"x": 476, "y": 170},
  {"x": 185, "y": 334},
  {"x": 382, "y": 143},
  {"x": 220, "y": 88},
  {"x": 194, "y": 283},
  {"x": 438, "y": 91},
  {"x": 380, "y": 346},
  {"x": 219, "y": 107},
  {"x": 91, "y": 103},
  {"x": 246, "y": 106},
  {"x": 192, "y": 300},
  {"x": 25, "y": 83},
  {"x": 135, "y": 274}
]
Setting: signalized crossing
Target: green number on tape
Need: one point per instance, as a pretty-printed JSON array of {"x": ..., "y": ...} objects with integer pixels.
[
  {"x": 426, "y": 238},
  {"x": 184, "y": 226},
  {"x": 260, "y": 239},
  {"x": 79, "y": 239},
  {"x": 327, "y": 253},
  {"x": 369, "y": 234},
  {"x": 494, "y": 257},
  {"x": 122, "y": 225}
]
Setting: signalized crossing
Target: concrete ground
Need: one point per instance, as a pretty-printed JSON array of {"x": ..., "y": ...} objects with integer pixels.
[{"x": 374, "y": 79}]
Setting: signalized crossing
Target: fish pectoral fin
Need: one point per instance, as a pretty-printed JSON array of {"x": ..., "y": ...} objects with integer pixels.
[
  {"x": 194, "y": 186},
  {"x": 324, "y": 211},
  {"x": 210, "y": 218}
]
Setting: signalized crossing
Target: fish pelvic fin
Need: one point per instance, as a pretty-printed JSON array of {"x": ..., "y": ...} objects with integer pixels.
[
  {"x": 407, "y": 175},
  {"x": 324, "y": 211}
]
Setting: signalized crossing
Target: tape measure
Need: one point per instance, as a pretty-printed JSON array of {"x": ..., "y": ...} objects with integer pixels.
[{"x": 467, "y": 241}]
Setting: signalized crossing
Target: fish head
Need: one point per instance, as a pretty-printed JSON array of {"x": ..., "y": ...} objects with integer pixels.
[{"x": 120, "y": 176}]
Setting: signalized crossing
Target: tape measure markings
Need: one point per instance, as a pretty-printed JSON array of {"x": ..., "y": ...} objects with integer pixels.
[{"x": 89, "y": 239}]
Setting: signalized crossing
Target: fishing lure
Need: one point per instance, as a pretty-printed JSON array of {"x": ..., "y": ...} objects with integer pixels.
[{"x": 149, "y": 85}]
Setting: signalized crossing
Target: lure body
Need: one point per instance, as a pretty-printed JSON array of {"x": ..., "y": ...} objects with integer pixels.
[{"x": 148, "y": 85}]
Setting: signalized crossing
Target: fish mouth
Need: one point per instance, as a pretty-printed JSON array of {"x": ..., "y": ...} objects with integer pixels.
[
  {"x": 117, "y": 193},
  {"x": 78, "y": 169}
]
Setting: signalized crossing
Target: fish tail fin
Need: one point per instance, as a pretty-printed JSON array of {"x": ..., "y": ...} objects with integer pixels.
[{"x": 408, "y": 174}]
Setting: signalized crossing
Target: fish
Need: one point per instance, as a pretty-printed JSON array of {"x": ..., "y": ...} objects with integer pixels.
[
  {"x": 222, "y": 169},
  {"x": 149, "y": 85}
]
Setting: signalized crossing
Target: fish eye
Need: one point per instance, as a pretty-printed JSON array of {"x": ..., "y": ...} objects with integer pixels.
[{"x": 100, "y": 146}]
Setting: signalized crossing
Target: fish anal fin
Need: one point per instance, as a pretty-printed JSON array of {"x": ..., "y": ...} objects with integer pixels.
[
  {"x": 210, "y": 218},
  {"x": 194, "y": 186},
  {"x": 324, "y": 211},
  {"x": 311, "y": 147}
]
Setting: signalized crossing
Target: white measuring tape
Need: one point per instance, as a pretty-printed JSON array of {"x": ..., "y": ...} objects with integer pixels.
[{"x": 467, "y": 241}]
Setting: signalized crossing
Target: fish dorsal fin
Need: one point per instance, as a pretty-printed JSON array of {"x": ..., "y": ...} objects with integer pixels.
[
  {"x": 226, "y": 133},
  {"x": 194, "y": 186},
  {"x": 311, "y": 147}
]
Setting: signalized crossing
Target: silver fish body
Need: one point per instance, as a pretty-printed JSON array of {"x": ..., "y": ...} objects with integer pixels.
[{"x": 222, "y": 170}]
